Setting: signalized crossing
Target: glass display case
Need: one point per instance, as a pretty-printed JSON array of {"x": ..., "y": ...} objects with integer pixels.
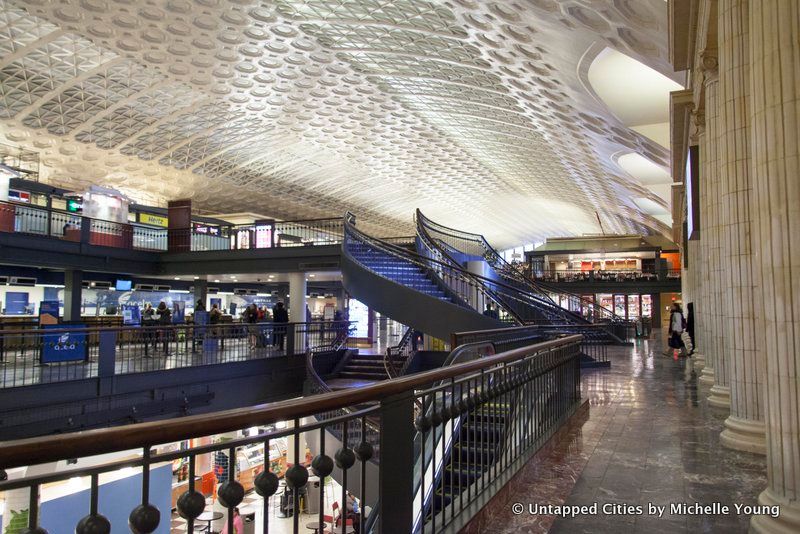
[
  {"x": 586, "y": 305},
  {"x": 633, "y": 306},
  {"x": 647, "y": 306},
  {"x": 606, "y": 301},
  {"x": 619, "y": 305}
]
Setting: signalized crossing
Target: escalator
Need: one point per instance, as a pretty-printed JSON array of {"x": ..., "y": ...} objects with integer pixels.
[{"x": 402, "y": 285}]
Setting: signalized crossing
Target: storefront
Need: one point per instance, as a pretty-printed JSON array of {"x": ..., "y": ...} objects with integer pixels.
[{"x": 629, "y": 306}]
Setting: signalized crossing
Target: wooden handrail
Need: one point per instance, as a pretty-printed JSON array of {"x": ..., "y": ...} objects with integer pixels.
[{"x": 34, "y": 451}]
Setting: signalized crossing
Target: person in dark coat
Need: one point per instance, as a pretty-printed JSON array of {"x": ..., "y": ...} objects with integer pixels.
[
  {"x": 280, "y": 315},
  {"x": 690, "y": 324},
  {"x": 164, "y": 319}
]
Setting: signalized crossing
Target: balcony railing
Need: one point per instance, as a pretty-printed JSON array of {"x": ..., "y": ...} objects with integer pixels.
[
  {"x": 576, "y": 275},
  {"x": 61, "y": 354},
  {"x": 41, "y": 221},
  {"x": 499, "y": 410}
]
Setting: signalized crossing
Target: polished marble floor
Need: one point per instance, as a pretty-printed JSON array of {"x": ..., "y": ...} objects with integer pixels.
[{"x": 650, "y": 437}]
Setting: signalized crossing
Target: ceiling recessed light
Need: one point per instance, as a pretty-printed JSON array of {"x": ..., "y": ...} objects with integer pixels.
[
  {"x": 312, "y": 275},
  {"x": 216, "y": 281},
  {"x": 177, "y": 278},
  {"x": 197, "y": 278}
]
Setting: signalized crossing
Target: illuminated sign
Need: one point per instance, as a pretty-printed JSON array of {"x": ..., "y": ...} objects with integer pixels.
[
  {"x": 74, "y": 205},
  {"x": 155, "y": 220},
  {"x": 205, "y": 229},
  {"x": 19, "y": 196}
]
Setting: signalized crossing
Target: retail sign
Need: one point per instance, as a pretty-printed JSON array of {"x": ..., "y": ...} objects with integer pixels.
[
  {"x": 206, "y": 229},
  {"x": 64, "y": 346},
  {"x": 131, "y": 314},
  {"x": 178, "y": 312},
  {"x": 155, "y": 220},
  {"x": 74, "y": 205},
  {"x": 16, "y": 303},
  {"x": 19, "y": 196}
]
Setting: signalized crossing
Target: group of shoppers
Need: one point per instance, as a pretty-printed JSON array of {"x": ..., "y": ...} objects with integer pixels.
[
  {"x": 252, "y": 315},
  {"x": 152, "y": 317}
]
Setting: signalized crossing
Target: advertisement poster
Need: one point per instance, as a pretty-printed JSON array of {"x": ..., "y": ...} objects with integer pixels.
[
  {"x": 218, "y": 302},
  {"x": 64, "y": 346},
  {"x": 48, "y": 312},
  {"x": 16, "y": 303},
  {"x": 178, "y": 312},
  {"x": 131, "y": 314}
]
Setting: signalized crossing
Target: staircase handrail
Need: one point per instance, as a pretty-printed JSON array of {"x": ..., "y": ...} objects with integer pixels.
[
  {"x": 437, "y": 247},
  {"x": 495, "y": 259},
  {"x": 390, "y": 360},
  {"x": 432, "y": 264},
  {"x": 428, "y": 264},
  {"x": 434, "y": 247}
]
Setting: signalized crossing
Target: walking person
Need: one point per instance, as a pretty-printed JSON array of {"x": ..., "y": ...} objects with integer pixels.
[{"x": 676, "y": 326}]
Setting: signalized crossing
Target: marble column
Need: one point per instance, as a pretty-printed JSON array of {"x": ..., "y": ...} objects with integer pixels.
[
  {"x": 696, "y": 296},
  {"x": 719, "y": 395},
  {"x": 708, "y": 220},
  {"x": 744, "y": 428},
  {"x": 297, "y": 297},
  {"x": 698, "y": 265},
  {"x": 774, "y": 104}
]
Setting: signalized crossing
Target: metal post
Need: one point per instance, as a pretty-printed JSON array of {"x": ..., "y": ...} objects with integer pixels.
[
  {"x": 86, "y": 230},
  {"x": 106, "y": 361},
  {"x": 290, "y": 330},
  {"x": 73, "y": 289},
  {"x": 396, "y": 478}
]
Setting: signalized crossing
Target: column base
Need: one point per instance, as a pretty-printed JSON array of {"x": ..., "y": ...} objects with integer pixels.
[
  {"x": 788, "y": 522},
  {"x": 720, "y": 397},
  {"x": 744, "y": 435},
  {"x": 699, "y": 361},
  {"x": 707, "y": 376}
]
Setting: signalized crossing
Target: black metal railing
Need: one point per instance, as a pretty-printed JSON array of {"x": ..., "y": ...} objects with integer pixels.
[
  {"x": 480, "y": 422},
  {"x": 595, "y": 338},
  {"x": 393, "y": 263},
  {"x": 455, "y": 244},
  {"x": 398, "y": 358},
  {"x": 578, "y": 275},
  {"x": 521, "y": 305},
  {"x": 42, "y": 221},
  {"x": 39, "y": 356}
]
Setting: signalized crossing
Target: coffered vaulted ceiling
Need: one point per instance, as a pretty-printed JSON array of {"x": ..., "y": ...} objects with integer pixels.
[{"x": 478, "y": 112}]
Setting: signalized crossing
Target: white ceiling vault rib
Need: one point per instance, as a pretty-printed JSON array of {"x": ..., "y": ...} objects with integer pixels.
[{"x": 373, "y": 106}]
